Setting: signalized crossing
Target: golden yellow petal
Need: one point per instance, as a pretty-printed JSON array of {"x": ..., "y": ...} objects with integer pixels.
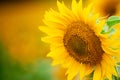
[
  {"x": 51, "y": 31},
  {"x": 58, "y": 53},
  {"x": 107, "y": 61},
  {"x": 111, "y": 51},
  {"x": 54, "y": 46},
  {"x": 60, "y": 17},
  {"x": 54, "y": 17},
  {"x": 66, "y": 12},
  {"x": 73, "y": 70},
  {"x": 53, "y": 40},
  {"x": 97, "y": 73},
  {"x": 89, "y": 69},
  {"x": 111, "y": 42},
  {"x": 105, "y": 72},
  {"x": 54, "y": 25},
  {"x": 82, "y": 71},
  {"x": 103, "y": 69},
  {"x": 109, "y": 76},
  {"x": 86, "y": 13},
  {"x": 67, "y": 62},
  {"x": 74, "y": 6},
  {"x": 55, "y": 62},
  {"x": 77, "y": 9},
  {"x": 85, "y": 70}
]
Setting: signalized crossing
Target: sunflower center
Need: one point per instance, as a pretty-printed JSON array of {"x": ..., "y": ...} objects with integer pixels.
[
  {"x": 110, "y": 7},
  {"x": 82, "y": 44},
  {"x": 78, "y": 45},
  {"x": 109, "y": 10}
]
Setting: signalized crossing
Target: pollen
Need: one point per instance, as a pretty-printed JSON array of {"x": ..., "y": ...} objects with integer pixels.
[{"x": 82, "y": 44}]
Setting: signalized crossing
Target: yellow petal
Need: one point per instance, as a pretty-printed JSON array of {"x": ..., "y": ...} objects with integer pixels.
[
  {"x": 109, "y": 59},
  {"x": 109, "y": 62},
  {"x": 54, "y": 46},
  {"x": 73, "y": 70},
  {"x": 52, "y": 17},
  {"x": 53, "y": 40},
  {"x": 97, "y": 73},
  {"x": 82, "y": 71},
  {"x": 109, "y": 76},
  {"x": 59, "y": 54},
  {"x": 111, "y": 51},
  {"x": 80, "y": 6},
  {"x": 89, "y": 69},
  {"x": 60, "y": 16},
  {"x": 55, "y": 62},
  {"x": 67, "y": 62},
  {"x": 51, "y": 31},
  {"x": 86, "y": 13},
  {"x": 54, "y": 25},
  {"x": 75, "y": 9},
  {"x": 74, "y": 6},
  {"x": 105, "y": 70},
  {"x": 65, "y": 11}
]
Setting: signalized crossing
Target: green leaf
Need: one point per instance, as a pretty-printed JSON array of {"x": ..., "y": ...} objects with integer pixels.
[
  {"x": 114, "y": 77},
  {"x": 113, "y": 20},
  {"x": 118, "y": 71},
  {"x": 109, "y": 26},
  {"x": 105, "y": 29},
  {"x": 108, "y": 30}
]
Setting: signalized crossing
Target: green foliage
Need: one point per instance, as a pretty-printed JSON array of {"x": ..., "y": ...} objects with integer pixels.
[
  {"x": 108, "y": 28},
  {"x": 113, "y": 20}
]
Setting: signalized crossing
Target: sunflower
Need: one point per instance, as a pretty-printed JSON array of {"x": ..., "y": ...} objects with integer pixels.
[
  {"x": 107, "y": 7},
  {"x": 76, "y": 42}
]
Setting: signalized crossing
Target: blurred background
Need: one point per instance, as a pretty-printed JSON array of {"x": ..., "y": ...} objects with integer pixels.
[{"x": 22, "y": 53}]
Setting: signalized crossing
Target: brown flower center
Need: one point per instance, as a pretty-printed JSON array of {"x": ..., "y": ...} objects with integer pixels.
[
  {"x": 82, "y": 44},
  {"x": 109, "y": 7},
  {"x": 109, "y": 10}
]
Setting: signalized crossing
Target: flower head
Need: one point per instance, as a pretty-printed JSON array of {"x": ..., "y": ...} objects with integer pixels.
[{"x": 76, "y": 42}]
